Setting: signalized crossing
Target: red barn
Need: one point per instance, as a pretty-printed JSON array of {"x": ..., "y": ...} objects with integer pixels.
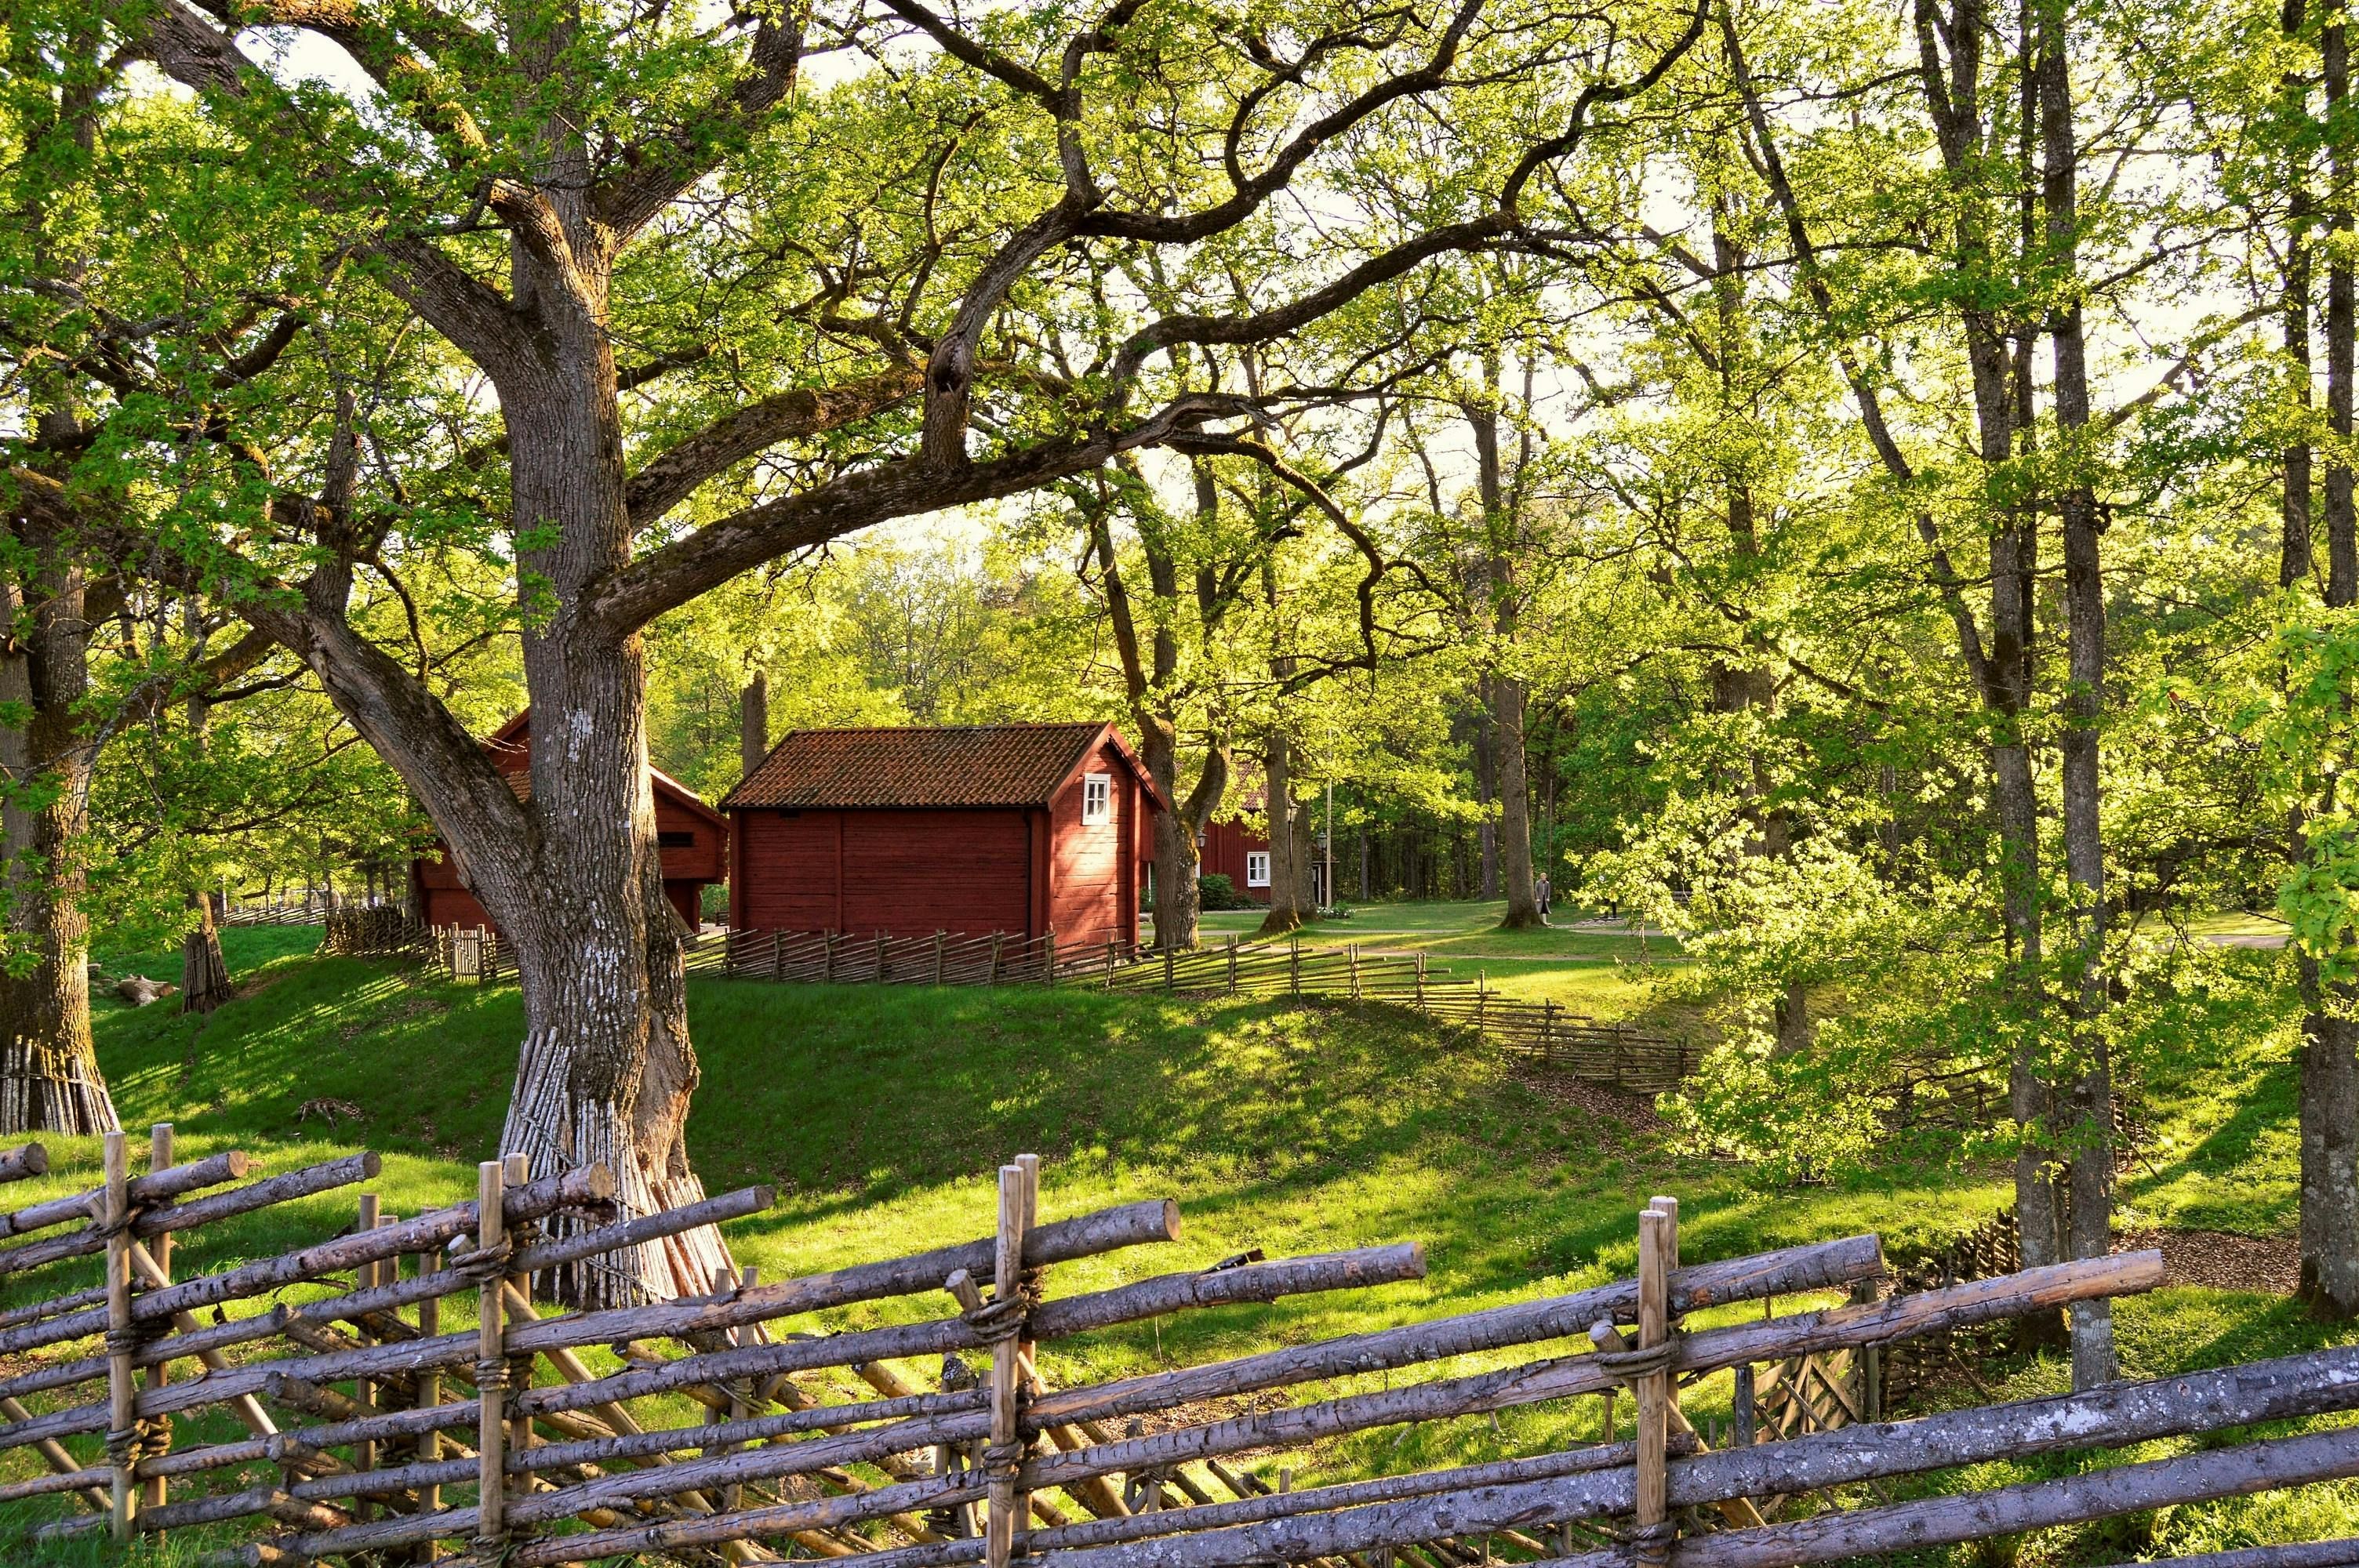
[
  {"x": 692, "y": 838},
  {"x": 1024, "y": 828}
]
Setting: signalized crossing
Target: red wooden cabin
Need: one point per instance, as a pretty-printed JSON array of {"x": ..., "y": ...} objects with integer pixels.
[
  {"x": 1232, "y": 850},
  {"x": 692, "y": 838},
  {"x": 1023, "y": 829}
]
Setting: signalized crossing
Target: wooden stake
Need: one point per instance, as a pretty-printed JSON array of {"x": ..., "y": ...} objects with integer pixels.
[
  {"x": 372, "y": 1214},
  {"x": 516, "y": 1170},
  {"x": 430, "y": 1394},
  {"x": 160, "y": 1158},
  {"x": 491, "y": 1428},
  {"x": 1007, "y": 1267},
  {"x": 122, "y": 1393},
  {"x": 1652, "y": 1513}
]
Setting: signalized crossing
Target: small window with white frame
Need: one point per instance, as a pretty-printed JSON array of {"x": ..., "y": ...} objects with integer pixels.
[
  {"x": 1257, "y": 868},
  {"x": 1097, "y": 798}
]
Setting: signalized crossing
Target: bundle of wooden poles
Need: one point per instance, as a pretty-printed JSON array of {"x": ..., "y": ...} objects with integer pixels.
[{"x": 733, "y": 1427}]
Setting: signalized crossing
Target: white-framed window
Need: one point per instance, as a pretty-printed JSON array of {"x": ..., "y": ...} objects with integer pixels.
[
  {"x": 1097, "y": 798},
  {"x": 1257, "y": 868}
]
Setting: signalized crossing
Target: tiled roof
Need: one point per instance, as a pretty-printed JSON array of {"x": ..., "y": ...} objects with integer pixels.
[{"x": 957, "y": 765}]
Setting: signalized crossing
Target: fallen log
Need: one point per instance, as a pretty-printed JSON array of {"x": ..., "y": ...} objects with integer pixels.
[{"x": 23, "y": 1161}]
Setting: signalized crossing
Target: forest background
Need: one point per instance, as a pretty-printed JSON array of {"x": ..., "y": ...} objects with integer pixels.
[{"x": 1866, "y": 490}]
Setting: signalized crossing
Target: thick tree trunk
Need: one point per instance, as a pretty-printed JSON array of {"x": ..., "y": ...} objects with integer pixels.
[
  {"x": 1486, "y": 793},
  {"x": 1501, "y": 772},
  {"x": 606, "y": 1070},
  {"x": 1176, "y": 860},
  {"x": 2296, "y": 551},
  {"x": 2095, "y": 1359},
  {"x": 2330, "y": 1051},
  {"x": 49, "y": 1080},
  {"x": 754, "y": 722},
  {"x": 1515, "y": 803},
  {"x": 204, "y": 974},
  {"x": 1286, "y": 911}
]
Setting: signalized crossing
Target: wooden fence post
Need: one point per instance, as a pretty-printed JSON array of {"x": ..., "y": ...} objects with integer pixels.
[
  {"x": 1167, "y": 968},
  {"x": 370, "y": 1215},
  {"x": 1352, "y": 955},
  {"x": 1233, "y": 966},
  {"x": 777, "y": 959},
  {"x": 827, "y": 958},
  {"x": 1008, "y": 1269},
  {"x": 1110, "y": 963},
  {"x": 491, "y": 1366},
  {"x": 516, "y": 1170},
  {"x": 160, "y": 1158},
  {"x": 938, "y": 957},
  {"x": 1654, "y": 1531},
  {"x": 429, "y": 1392},
  {"x": 1049, "y": 959},
  {"x": 1421, "y": 982},
  {"x": 880, "y": 958},
  {"x": 1741, "y": 1409},
  {"x": 1547, "y": 1030},
  {"x": 1294, "y": 965},
  {"x": 997, "y": 937},
  {"x": 122, "y": 1393}
]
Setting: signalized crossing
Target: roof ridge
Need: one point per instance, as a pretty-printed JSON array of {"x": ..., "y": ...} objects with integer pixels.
[{"x": 947, "y": 729}]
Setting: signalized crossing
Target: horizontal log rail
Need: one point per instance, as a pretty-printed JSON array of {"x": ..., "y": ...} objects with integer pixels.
[{"x": 366, "y": 1430}]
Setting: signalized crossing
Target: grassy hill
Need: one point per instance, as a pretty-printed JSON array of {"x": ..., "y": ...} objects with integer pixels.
[{"x": 879, "y": 1113}]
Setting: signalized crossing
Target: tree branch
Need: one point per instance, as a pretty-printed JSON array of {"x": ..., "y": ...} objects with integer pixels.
[{"x": 665, "y": 482}]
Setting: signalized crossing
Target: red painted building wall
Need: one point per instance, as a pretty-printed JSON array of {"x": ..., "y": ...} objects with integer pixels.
[
  {"x": 692, "y": 838},
  {"x": 1222, "y": 851},
  {"x": 913, "y": 870}
]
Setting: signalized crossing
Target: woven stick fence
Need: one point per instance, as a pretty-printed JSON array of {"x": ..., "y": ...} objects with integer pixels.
[
  {"x": 715, "y": 1430},
  {"x": 1629, "y": 1059}
]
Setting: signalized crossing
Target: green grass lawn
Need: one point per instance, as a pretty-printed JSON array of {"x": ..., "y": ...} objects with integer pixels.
[
  {"x": 879, "y": 1112},
  {"x": 1599, "y": 970}
]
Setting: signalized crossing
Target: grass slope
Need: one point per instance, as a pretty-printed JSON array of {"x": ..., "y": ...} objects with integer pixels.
[{"x": 879, "y": 1112}]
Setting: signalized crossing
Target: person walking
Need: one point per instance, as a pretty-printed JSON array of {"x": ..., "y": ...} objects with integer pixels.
[{"x": 1542, "y": 890}]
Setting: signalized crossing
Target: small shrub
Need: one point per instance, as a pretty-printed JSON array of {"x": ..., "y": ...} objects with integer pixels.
[{"x": 1215, "y": 890}]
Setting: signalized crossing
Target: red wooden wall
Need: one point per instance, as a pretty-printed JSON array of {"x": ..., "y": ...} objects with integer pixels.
[
  {"x": 1093, "y": 876},
  {"x": 909, "y": 872},
  {"x": 1223, "y": 851},
  {"x": 687, "y": 867},
  {"x": 906, "y": 873}
]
